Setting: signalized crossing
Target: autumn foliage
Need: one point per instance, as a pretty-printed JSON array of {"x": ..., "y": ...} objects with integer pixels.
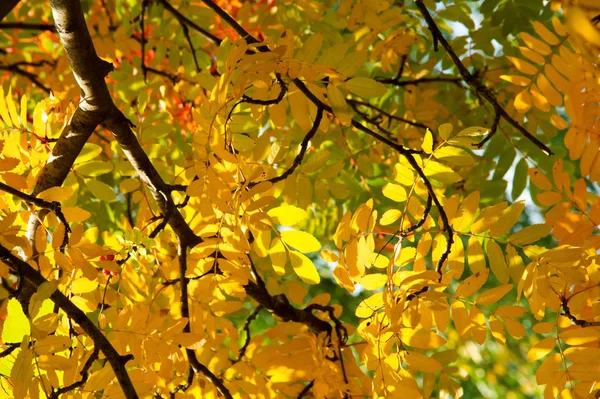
[{"x": 296, "y": 199}]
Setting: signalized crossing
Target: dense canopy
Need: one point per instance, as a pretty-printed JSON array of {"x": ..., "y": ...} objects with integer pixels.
[{"x": 296, "y": 199}]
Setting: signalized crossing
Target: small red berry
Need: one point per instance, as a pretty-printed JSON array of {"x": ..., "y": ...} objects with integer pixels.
[
  {"x": 106, "y": 272},
  {"x": 102, "y": 258},
  {"x": 110, "y": 257}
]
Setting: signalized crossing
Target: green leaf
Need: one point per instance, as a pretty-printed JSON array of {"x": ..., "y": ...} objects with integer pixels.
[
  {"x": 519, "y": 179},
  {"x": 100, "y": 190}
]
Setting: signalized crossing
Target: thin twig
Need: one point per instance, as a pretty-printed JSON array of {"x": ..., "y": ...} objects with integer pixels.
[
  {"x": 249, "y": 320},
  {"x": 305, "y": 390},
  {"x": 434, "y": 79},
  {"x": 303, "y": 147},
  {"x": 185, "y": 21},
  {"x": 195, "y": 364},
  {"x": 564, "y": 301},
  {"x": 53, "y": 206},
  {"x": 28, "y": 75},
  {"x": 84, "y": 376}
]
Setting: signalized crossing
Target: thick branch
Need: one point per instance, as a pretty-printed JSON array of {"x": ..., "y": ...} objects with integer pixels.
[
  {"x": 473, "y": 81},
  {"x": 6, "y": 6}
]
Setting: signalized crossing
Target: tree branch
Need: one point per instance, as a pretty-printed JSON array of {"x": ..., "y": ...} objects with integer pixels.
[
  {"x": 14, "y": 68},
  {"x": 435, "y": 79},
  {"x": 195, "y": 365},
  {"x": 74, "y": 313},
  {"x": 473, "y": 81},
  {"x": 303, "y": 147},
  {"x": 27, "y": 26},
  {"x": 187, "y": 22},
  {"x": 51, "y": 206}
]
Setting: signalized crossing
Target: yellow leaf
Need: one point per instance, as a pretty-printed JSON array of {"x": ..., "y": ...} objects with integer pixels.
[
  {"x": 523, "y": 66},
  {"x": 94, "y": 168},
  {"x": 510, "y": 311},
  {"x": 427, "y": 145},
  {"x": 74, "y": 214},
  {"x": 541, "y": 349},
  {"x": 83, "y": 304},
  {"x": 522, "y": 101},
  {"x": 373, "y": 281},
  {"x": 190, "y": 340},
  {"x": 493, "y": 295},
  {"x": 539, "y": 179},
  {"x": 301, "y": 240},
  {"x": 56, "y": 194},
  {"x": 21, "y": 372},
  {"x": 508, "y": 218},
  {"x": 394, "y": 192},
  {"x": 341, "y": 275},
  {"x": 300, "y": 109},
  {"x": 16, "y": 325},
  {"x": 89, "y": 152},
  {"x": 549, "y": 91},
  {"x": 12, "y": 109},
  {"x": 497, "y": 262},
  {"x": 580, "y": 336},
  {"x": 287, "y": 215},
  {"x": 304, "y": 268},
  {"x": 545, "y": 372},
  {"x": 472, "y": 284},
  {"x": 52, "y": 344},
  {"x": 515, "y": 328},
  {"x": 515, "y": 263},
  {"x": 545, "y": 33},
  {"x": 530, "y": 234},
  {"x": 544, "y": 327},
  {"x": 100, "y": 190},
  {"x": 454, "y": 155},
  {"x": 445, "y": 130},
  {"x": 441, "y": 172},
  {"x": 579, "y": 23},
  {"x": 516, "y": 79},
  {"x": 389, "y": 217},
  {"x": 83, "y": 285},
  {"x": 420, "y": 362},
  {"x": 338, "y": 104},
  {"x": 24, "y": 111},
  {"x": 7, "y": 164},
  {"x": 421, "y": 338},
  {"x": 310, "y": 48},
  {"x": 535, "y": 44},
  {"x": 369, "y": 305},
  {"x": 4, "y": 109},
  {"x": 329, "y": 256},
  {"x": 278, "y": 255},
  {"x": 365, "y": 87}
]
